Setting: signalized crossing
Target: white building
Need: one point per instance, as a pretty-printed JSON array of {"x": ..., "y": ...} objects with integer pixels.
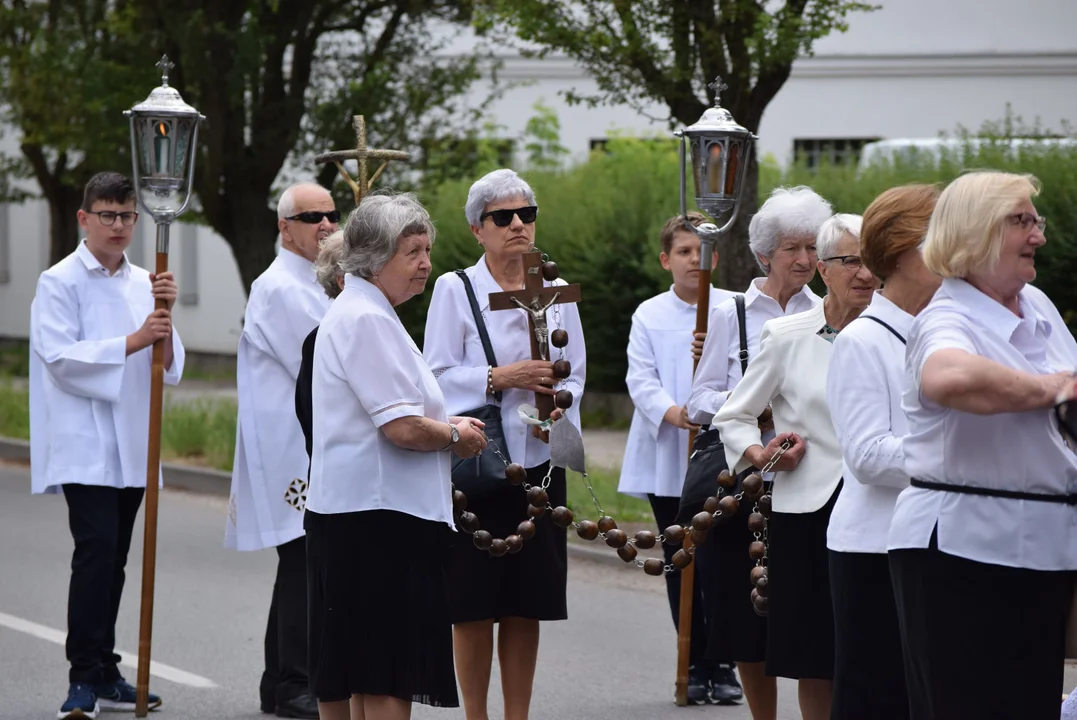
[{"x": 914, "y": 68}]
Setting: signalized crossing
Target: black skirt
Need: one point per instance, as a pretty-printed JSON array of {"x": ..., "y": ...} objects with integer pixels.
[
  {"x": 800, "y": 632},
  {"x": 529, "y": 584},
  {"x": 981, "y": 641},
  {"x": 735, "y": 633},
  {"x": 378, "y": 607},
  {"x": 869, "y": 672}
]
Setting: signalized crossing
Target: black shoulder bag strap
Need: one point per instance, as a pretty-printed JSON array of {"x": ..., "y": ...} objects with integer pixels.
[
  {"x": 739, "y": 300},
  {"x": 887, "y": 326},
  {"x": 480, "y": 324}
]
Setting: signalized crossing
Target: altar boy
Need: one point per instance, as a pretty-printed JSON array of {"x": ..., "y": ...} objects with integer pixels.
[
  {"x": 92, "y": 327},
  {"x": 656, "y": 457}
]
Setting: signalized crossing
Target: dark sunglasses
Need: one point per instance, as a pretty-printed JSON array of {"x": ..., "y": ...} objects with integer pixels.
[
  {"x": 313, "y": 217},
  {"x": 503, "y": 218}
]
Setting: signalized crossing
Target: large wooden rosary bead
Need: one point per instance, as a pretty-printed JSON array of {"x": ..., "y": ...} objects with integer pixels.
[
  {"x": 682, "y": 559},
  {"x": 699, "y": 536},
  {"x": 728, "y": 505},
  {"x": 674, "y": 535},
  {"x": 526, "y": 529},
  {"x": 469, "y": 522},
  {"x": 760, "y": 605},
  {"x": 645, "y": 540},
  {"x": 726, "y": 480},
  {"x": 762, "y": 585},
  {"x": 459, "y": 501},
  {"x": 753, "y": 487},
  {"x": 482, "y": 540},
  {"x": 562, "y": 369},
  {"x": 559, "y": 338},
  {"x": 627, "y": 553},
  {"x": 710, "y": 505},
  {"x": 606, "y": 523},
  {"x": 515, "y": 544},
  {"x": 616, "y": 538},
  {"x": 562, "y": 516},
  {"x": 757, "y": 572},
  {"x": 764, "y": 504},
  {"x": 653, "y": 566},
  {"x": 702, "y": 521},
  {"x": 550, "y": 271},
  {"x": 757, "y": 523},
  {"x": 563, "y": 399},
  {"x": 757, "y": 550},
  {"x": 536, "y": 511},
  {"x": 538, "y": 497},
  {"x": 587, "y": 529},
  {"x": 515, "y": 473},
  {"x": 498, "y": 547}
]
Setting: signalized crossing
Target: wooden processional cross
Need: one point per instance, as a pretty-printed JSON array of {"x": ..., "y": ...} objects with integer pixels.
[
  {"x": 361, "y": 186},
  {"x": 536, "y": 298}
]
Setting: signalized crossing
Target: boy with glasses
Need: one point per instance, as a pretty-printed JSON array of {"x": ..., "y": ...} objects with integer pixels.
[{"x": 92, "y": 327}]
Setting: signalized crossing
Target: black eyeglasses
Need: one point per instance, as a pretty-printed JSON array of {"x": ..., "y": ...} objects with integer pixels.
[
  {"x": 108, "y": 217},
  {"x": 503, "y": 218},
  {"x": 313, "y": 217},
  {"x": 852, "y": 262}
]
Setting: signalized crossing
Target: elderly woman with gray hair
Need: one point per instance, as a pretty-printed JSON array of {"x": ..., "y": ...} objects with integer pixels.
[
  {"x": 514, "y": 591},
  {"x": 379, "y": 510}
]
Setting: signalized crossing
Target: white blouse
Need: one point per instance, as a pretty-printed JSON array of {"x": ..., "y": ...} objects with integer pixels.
[
  {"x": 718, "y": 371},
  {"x": 1013, "y": 451},
  {"x": 367, "y": 372},
  {"x": 453, "y": 350},
  {"x": 863, "y": 390},
  {"x": 659, "y": 377},
  {"x": 89, "y": 399}
]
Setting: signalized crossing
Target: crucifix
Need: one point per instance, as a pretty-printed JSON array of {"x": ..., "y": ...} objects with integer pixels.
[
  {"x": 361, "y": 153},
  {"x": 536, "y": 299}
]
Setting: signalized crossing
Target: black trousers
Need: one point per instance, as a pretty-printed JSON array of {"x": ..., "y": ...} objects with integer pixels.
[
  {"x": 665, "y": 514},
  {"x": 101, "y": 521},
  {"x": 285, "y": 674},
  {"x": 981, "y": 641}
]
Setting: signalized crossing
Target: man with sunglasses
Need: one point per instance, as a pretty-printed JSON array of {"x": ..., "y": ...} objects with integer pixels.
[
  {"x": 92, "y": 327},
  {"x": 269, "y": 473}
]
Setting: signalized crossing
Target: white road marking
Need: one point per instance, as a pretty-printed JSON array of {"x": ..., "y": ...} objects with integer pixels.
[{"x": 165, "y": 672}]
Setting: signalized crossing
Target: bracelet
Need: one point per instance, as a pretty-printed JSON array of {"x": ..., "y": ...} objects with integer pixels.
[{"x": 489, "y": 379}]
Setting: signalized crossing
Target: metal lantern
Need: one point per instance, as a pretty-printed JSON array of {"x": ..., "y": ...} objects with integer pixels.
[{"x": 164, "y": 132}]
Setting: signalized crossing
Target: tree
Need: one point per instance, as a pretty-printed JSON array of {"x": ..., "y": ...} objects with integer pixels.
[{"x": 640, "y": 51}]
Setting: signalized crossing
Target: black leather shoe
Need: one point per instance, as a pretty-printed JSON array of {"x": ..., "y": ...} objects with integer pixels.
[
  {"x": 302, "y": 705},
  {"x": 725, "y": 689},
  {"x": 698, "y": 686}
]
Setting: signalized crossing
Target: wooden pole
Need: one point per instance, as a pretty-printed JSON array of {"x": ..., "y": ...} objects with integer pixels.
[
  {"x": 684, "y": 622},
  {"x": 153, "y": 474}
]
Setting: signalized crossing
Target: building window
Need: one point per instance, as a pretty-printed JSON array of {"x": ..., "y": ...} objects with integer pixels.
[{"x": 834, "y": 151}]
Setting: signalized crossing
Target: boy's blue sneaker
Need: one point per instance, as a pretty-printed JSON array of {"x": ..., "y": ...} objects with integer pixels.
[
  {"x": 81, "y": 703},
  {"x": 120, "y": 697}
]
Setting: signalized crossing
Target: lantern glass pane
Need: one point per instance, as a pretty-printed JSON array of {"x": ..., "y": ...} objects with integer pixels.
[
  {"x": 731, "y": 172},
  {"x": 714, "y": 170}
]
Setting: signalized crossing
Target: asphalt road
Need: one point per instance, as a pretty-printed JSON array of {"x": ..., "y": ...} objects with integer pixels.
[{"x": 614, "y": 658}]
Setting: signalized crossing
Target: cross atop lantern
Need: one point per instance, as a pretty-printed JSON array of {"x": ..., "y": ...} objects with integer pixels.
[{"x": 164, "y": 131}]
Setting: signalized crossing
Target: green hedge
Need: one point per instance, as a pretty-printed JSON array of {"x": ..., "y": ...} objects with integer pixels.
[{"x": 600, "y": 221}]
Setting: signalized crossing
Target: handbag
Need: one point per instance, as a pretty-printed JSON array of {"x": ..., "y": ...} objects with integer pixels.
[
  {"x": 707, "y": 459},
  {"x": 483, "y": 475}
]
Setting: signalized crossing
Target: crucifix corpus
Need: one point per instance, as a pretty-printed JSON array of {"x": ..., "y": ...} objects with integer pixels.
[
  {"x": 361, "y": 153},
  {"x": 536, "y": 299}
]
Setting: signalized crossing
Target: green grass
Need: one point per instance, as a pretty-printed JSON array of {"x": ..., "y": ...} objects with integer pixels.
[
  {"x": 14, "y": 360},
  {"x": 202, "y": 431},
  {"x": 622, "y": 508},
  {"x": 14, "y": 411}
]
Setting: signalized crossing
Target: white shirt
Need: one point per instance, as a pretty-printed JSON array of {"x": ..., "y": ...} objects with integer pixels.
[
  {"x": 270, "y": 468},
  {"x": 863, "y": 390},
  {"x": 368, "y": 372},
  {"x": 789, "y": 374},
  {"x": 1013, "y": 451},
  {"x": 89, "y": 400},
  {"x": 719, "y": 366},
  {"x": 453, "y": 350},
  {"x": 659, "y": 377}
]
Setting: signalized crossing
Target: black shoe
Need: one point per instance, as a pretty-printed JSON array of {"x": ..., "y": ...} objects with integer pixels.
[
  {"x": 725, "y": 689},
  {"x": 698, "y": 686},
  {"x": 302, "y": 705}
]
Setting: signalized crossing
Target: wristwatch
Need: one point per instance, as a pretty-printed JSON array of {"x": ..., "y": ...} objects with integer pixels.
[{"x": 454, "y": 436}]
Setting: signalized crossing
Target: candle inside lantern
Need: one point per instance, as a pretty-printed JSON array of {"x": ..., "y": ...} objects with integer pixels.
[{"x": 162, "y": 145}]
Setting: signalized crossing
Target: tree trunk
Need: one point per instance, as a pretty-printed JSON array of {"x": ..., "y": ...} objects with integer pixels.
[
  {"x": 251, "y": 230},
  {"x": 64, "y": 203},
  {"x": 736, "y": 265}
]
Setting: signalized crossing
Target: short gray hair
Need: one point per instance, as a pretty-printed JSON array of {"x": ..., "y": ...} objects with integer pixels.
[
  {"x": 327, "y": 264},
  {"x": 832, "y": 232},
  {"x": 286, "y": 204},
  {"x": 788, "y": 211},
  {"x": 375, "y": 228},
  {"x": 493, "y": 187}
]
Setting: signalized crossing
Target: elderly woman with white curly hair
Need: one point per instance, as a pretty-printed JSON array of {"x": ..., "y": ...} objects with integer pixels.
[
  {"x": 379, "y": 509},
  {"x": 789, "y": 375},
  {"x": 514, "y": 591}
]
